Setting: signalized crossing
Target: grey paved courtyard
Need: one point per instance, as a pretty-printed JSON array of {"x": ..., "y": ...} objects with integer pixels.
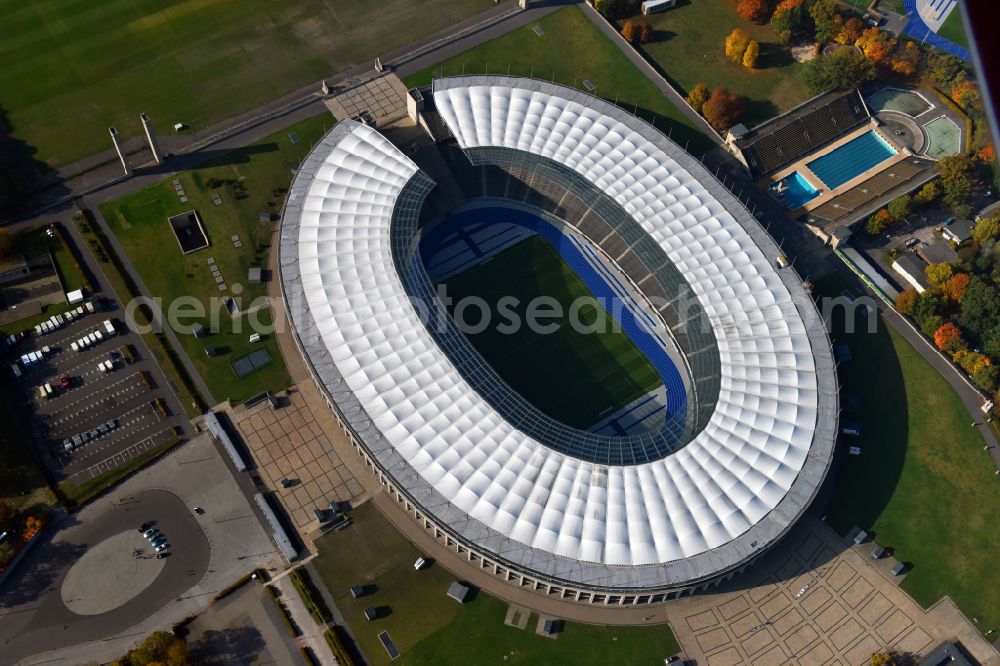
[{"x": 289, "y": 443}]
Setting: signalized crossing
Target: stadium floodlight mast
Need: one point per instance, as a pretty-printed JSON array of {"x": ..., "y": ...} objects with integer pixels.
[
  {"x": 116, "y": 139},
  {"x": 154, "y": 146}
]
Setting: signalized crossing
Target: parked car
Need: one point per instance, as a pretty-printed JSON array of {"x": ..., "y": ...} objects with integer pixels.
[
  {"x": 198, "y": 511},
  {"x": 143, "y": 528},
  {"x": 64, "y": 381},
  {"x": 163, "y": 546},
  {"x": 162, "y": 556},
  {"x": 150, "y": 533}
]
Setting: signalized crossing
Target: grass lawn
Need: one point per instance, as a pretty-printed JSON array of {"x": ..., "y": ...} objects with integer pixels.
[
  {"x": 249, "y": 180},
  {"x": 576, "y": 377},
  {"x": 954, "y": 29},
  {"x": 688, "y": 47},
  {"x": 72, "y": 68},
  {"x": 429, "y": 628},
  {"x": 923, "y": 483},
  {"x": 37, "y": 242},
  {"x": 570, "y": 50}
]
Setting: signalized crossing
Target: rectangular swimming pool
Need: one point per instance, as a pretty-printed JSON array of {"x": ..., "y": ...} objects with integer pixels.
[{"x": 851, "y": 159}]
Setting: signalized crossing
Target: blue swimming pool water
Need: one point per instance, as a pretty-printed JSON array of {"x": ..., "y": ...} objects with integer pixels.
[
  {"x": 797, "y": 190},
  {"x": 851, "y": 159}
]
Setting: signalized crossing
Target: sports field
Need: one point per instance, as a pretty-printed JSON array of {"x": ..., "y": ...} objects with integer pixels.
[
  {"x": 574, "y": 376},
  {"x": 71, "y": 68}
]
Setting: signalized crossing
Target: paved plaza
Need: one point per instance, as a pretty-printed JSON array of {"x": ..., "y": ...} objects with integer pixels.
[
  {"x": 815, "y": 601},
  {"x": 289, "y": 443},
  {"x": 384, "y": 97}
]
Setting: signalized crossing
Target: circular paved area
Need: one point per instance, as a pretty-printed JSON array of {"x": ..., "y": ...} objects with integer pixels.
[{"x": 110, "y": 574}]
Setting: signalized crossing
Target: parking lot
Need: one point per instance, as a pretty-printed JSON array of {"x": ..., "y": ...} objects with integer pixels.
[{"x": 90, "y": 396}]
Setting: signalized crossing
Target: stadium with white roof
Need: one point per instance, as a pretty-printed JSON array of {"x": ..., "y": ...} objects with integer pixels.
[{"x": 598, "y": 518}]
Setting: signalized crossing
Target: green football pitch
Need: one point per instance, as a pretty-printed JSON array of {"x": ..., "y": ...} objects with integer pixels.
[
  {"x": 575, "y": 376},
  {"x": 71, "y": 68}
]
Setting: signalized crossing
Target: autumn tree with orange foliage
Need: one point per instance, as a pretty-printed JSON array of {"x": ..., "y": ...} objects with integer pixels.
[
  {"x": 948, "y": 338},
  {"x": 954, "y": 287},
  {"x": 723, "y": 108},
  {"x": 905, "y": 59},
  {"x": 906, "y": 302},
  {"x": 988, "y": 153},
  {"x": 850, "y": 32},
  {"x": 637, "y": 32},
  {"x": 876, "y": 44},
  {"x": 966, "y": 95},
  {"x": 754, "y": 11}
]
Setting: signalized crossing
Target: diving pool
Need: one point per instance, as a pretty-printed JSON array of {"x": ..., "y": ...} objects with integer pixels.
[
  {"x": 851, "y": 159},
  {"x": 794, "y": 190}
]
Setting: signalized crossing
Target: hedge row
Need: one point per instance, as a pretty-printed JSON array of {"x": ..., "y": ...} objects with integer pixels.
[
  {"x": 225, "y": 592},
  {"x": 337, "y": 647},
  {"x": 312, "y": 598},
  {"x": 283, "y": 612}
]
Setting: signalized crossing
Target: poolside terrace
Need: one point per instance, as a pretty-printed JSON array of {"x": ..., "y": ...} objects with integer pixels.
[{"x": 827, "y": 195}]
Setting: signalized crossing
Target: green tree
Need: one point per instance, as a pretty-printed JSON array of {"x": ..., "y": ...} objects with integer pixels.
[
  {"x": 878, "y": 222},
  {"x": 986, "y": 230},
  {"x": 928, "y": 193},
  {"x": 938, "y": 273},
  {"x": 926, "y": 312},
  {"x": 956, "y": 179},
  {"x": 825, "y": 19},
  {"x": 987, "y": 377},
  {"x": 154, "y": 649},
  {"x": 841, "y": 69},
  {"x": 791, "y": 21},
  {"x": 900, "y": 207},
  {"x": 980, "y": 307},
  {"x": 944, "y": 69}
]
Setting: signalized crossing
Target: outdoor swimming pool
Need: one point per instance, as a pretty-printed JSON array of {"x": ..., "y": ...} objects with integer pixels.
[
  {"x": 851, "y": 159},
  {"x": 794, "y": 190}
]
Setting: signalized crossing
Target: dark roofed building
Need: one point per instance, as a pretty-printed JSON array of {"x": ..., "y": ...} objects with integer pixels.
[
  {"x": 959, "y": 231},
  {"x": 947, "y": 653},
  {"x": 802, "y": 130},
  {"x": 911, "y": 268},
  {"x": 859, "y": 202},
  {"x": 937, "y": 252}
]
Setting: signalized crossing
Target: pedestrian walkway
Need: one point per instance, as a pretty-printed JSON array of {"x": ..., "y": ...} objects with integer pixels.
[{"x": 312, "y": 633}]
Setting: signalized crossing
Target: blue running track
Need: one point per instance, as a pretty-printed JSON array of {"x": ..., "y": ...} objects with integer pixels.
[
  {"x": 917, "y": 29},
  {"x": 602, "y": 284}
]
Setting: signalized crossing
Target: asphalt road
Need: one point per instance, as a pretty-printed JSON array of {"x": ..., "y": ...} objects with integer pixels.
[{"x": 33, "y": 616}]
